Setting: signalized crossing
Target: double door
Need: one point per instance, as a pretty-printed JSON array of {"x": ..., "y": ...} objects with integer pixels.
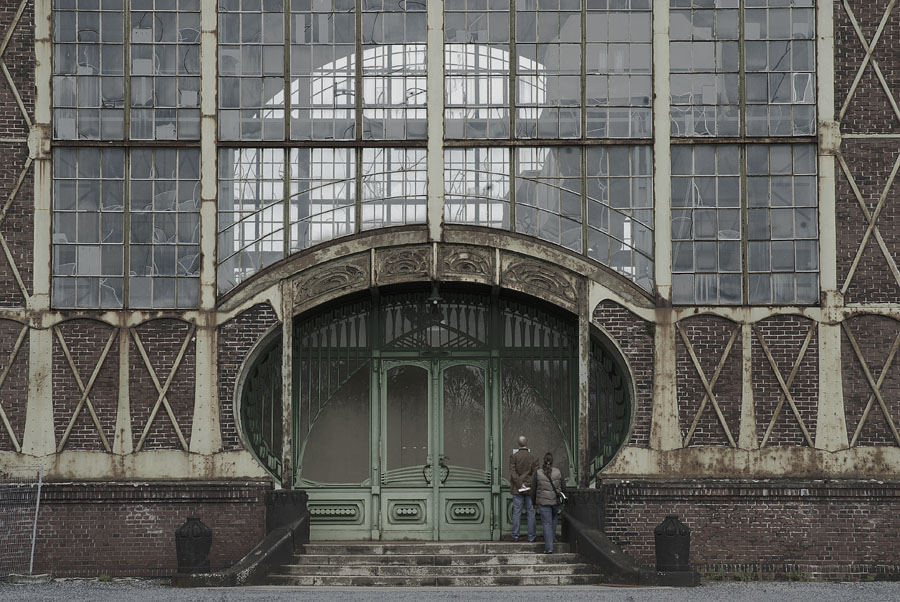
[{"x": 437, "y": 477}]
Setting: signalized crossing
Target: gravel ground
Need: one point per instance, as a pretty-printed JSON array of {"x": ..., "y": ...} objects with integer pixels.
[{"x": 148, "y": 591}]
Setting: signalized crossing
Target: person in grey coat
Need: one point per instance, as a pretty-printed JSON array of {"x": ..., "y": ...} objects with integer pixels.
[{"x": 546, "y": 479}]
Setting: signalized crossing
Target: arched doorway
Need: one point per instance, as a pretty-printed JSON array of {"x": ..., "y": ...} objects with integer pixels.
[{"x": 407, "y": 404}]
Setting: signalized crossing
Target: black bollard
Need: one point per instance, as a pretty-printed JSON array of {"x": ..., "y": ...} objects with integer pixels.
[
  {"x": 673, "y": 545},
  {"x": 192, "y": 542}
]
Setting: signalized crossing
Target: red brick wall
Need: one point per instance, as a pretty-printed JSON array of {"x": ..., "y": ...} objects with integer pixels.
[
  {"x": 85, "y": 340},
  {"x": 784, "y": 336},
  {"x": 162, "y": 340},
  {"x": 19, "y": 59},
  {"x": 16, "y": 227},
  {"x": 870, "y": 110},
  {"x": 236, "y": 338},
  {"x": 129, "y": 528},
  {"x": 819, "y": 529},
  {"x": 635, "y": 337},
  {"x": 14, "y": 393},
  {"x": 709, "y": 336},
  {"x": 870, "y": 163},
  {"x": 874, "y": 335}
]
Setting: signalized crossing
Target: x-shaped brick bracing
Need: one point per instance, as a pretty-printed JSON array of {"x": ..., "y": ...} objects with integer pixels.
[
  {"x": 85, "y": 389},
  {"x": 708, "y": 385},
  {"x": 9, "y": 362},
  {"x": 162, "y": 389},
  {"x": 785, "y": 386},
  {"x": 874, "y": 385},
  {"x": 18, "y": 185}
]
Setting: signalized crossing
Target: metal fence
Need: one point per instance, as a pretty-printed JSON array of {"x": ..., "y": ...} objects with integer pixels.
[{"x": 20, "y": 498}]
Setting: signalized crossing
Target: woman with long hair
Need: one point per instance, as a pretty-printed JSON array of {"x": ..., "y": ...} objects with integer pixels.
[{"x": 549, "y": 483}]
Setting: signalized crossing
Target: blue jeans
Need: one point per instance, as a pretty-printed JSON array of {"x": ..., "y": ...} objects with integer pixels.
[
  {"x": 517, "y": 501},
  {"x": 549, "y": 518}
]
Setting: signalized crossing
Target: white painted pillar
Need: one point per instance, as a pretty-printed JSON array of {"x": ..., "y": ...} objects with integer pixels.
[
  {"x": 435, "y": 116},
  {"x": 206, "y": 435},
  {"x": 831, "y": 422},
  {"x": 665, "y": 433},
  {"x": 123, "y": 441},
  {"x": 39, "y": 438},
  {"x": 662, "y": 167},
  {"x": 747, "y": 436}
]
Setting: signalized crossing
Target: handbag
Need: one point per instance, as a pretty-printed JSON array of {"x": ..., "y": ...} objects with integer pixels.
[{"x": 561, "y": 497}]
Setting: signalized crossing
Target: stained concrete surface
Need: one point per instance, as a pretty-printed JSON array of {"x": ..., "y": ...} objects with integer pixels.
[{"x": 150, "y": 591}]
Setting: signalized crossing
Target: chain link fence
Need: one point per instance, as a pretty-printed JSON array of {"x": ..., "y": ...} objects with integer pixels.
[{"x": 20, "y": 499}]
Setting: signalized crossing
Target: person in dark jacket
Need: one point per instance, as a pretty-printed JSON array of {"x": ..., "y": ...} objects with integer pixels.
[
  {"x": 548, "y": 480},
  {"x": 522, "y": 466}
]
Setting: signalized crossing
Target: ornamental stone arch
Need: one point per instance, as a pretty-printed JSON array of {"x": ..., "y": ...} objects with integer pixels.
[{"x": 386, "y": 265}]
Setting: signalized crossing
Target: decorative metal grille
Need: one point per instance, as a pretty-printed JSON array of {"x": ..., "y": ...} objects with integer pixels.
[{"x": 261, "y": 409}]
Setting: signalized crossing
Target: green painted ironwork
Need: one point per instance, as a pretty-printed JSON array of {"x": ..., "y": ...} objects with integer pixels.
[
  {"x": 609, "y": 411},
  {"x": 528, "y": 352},
  {"x": 261, "y": 413}
]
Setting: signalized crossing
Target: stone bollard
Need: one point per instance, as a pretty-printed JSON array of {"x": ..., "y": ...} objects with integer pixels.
[
  {"x": 192, "y": 542},
  {"x": 673, "y": 545}
]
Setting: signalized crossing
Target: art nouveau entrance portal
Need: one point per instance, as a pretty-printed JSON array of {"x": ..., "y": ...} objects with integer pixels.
[
  {"x": 407, "y": 404},
  {"x": 436, "y": 464}
]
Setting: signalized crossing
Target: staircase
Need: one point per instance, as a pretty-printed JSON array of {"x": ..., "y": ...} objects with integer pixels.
[{"x": 416, "y": 564}]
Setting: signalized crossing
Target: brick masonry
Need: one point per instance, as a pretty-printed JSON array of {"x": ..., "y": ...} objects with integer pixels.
[
  {"x": 869, "y": 110},
  {"x": 812, "y": 529},
  {"x": 89, "y": 529},
  {"x": 14, "y": 392},
  {"x": 874, "y": 335},
  {"x": 19, "y": 60},
  {"x": 635, "y": 337},
  {"x": 162, "y": 340},
  {"x": 709, "y": 337},
  {"x": 870, "y": 163},
  {"x": 85, "y": 340},
  {"x": 784, "y": 336},
  {"x": 17, "y": 225},
  {"x": 236, "y": 338}
]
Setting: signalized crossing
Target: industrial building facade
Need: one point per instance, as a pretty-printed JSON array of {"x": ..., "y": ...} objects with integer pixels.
[{"x": 356, "y": 247}]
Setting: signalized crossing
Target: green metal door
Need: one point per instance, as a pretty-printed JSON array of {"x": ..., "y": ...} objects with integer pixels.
[{"x": 435, "y": 450}]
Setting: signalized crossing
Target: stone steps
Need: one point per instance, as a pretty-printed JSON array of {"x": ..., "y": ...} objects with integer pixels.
[
  {"x": 448, "y": 564},
  {"x": 331, "y": 570},
  {"x": 421, "y": 547},
  {"x": 527, "y": 559},
  {"x": 476, "y": 581}
]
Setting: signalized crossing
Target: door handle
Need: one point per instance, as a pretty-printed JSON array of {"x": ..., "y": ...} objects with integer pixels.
[
  {"x": 445, "y": 467},
  {"x": 427, "y": 468}
]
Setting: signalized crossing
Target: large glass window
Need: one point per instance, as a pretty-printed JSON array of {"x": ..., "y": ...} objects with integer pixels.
[
  {"x": 165, "y": 69},
  {"x": 89, "y": 91},
  {"x": 779, "y": 207},
  {"x": 780, "y": 64},
  {"x": 329, "y": 196},
  {"x": 617, "y": 69},
  {"x": 251, "y": 70},
  {"x": 152, "y": 260},
  {"x": 88, "y": 227},
  {"x": 553, "y": 192},
  {"x": 321, "y": 113},
  {"x": 770, "y": 92},
  {"x": 476, "y": 69}
]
